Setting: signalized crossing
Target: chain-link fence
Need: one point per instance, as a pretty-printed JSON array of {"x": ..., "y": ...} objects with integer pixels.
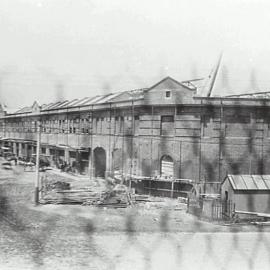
[
  {"x": 210, "y": 211},
  {"x": 149, "y": 235}
]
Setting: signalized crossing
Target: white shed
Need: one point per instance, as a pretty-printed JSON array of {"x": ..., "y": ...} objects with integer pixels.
[{"x": 249, "y": 193}]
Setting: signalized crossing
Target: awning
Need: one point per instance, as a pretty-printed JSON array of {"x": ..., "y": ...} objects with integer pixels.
[
  {"x": 4, "y": 139},
  {"x": 17, "y": 140},
  {"x": 42, "y": 155},
  {"x": 5, "y": 148},
  {"x": 63, "y": 146},
  {"x": 83, "y": 149}
]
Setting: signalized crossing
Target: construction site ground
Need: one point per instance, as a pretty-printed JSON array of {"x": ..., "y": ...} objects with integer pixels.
[{"x": 148, "y": 235}]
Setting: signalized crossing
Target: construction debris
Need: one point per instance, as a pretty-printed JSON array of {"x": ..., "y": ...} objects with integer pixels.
[
  {"x": 261, "y": 223},
  {"x": 58, "y": 185},
  {"x": 87, "y": 197},
  {"x": 70, "y": 197},
  {"x": 56, "y": 191},
  {"x": 142, "y": 198}
]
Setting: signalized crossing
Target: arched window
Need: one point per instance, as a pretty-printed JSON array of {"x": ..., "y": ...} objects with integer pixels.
[{"x": 166, "y": 166}]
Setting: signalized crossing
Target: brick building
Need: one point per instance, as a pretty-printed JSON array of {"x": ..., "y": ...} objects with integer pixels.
[{"x": 167, "y": 129}]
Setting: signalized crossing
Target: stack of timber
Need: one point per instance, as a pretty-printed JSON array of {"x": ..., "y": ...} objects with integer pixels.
[
  {"x": 71, "y": 196},
  {"x": 97, "y": 193},
  {"x": 58, "y": 185},
  {"x": 142, "y": 198},
  {"x": 87, "y": 197},
  {"x": 118, "y": 197}
]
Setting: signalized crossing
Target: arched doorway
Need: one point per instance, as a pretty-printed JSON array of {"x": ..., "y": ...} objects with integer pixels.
[
  {"x": 166, "y": 166},
  {"x": 100, "y": 162}
]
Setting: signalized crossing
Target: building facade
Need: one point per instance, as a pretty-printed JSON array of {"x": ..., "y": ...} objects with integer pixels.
[{"x": 166, "y": 130}]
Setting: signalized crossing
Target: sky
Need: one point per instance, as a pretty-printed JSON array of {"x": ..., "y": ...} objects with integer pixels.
[{"x": 64, "y": 49}]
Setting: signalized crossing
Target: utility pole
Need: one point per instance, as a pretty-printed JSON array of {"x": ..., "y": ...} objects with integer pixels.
[
  {"x": 37, "y": 163},
  {"x": 132, "y": 142}
]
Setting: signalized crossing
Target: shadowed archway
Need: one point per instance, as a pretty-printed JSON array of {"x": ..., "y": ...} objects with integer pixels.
[{"x": 100, "y": 162}]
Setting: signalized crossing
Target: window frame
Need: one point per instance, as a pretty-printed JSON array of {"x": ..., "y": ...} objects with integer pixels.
[{"x": 170, "y": 94}]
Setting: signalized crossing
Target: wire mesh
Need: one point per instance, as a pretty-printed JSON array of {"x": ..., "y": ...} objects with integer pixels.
[{"x": 139, "y": 237}]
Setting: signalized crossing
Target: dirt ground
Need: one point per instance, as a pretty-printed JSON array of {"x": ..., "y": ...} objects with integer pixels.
[{"x": 145, "y": 236}]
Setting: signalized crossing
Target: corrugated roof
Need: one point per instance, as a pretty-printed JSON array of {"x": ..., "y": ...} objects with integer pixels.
[
  {"x": 238, "y": 182},
  {"x": 107, "y": 98},
  {"x": 86, "y": 100},
  {"x": 260, "y": 184},
  {"x": 64, "y": 104},
  {"x": 99, "y": 99},
  {"x": 24, "y": 110},
  {"x": 91, "y": 100},
  {"x": 258, "y": 95},
  {"x": 50, "y": 106},
  {"x": 80, "y": 101},
  {"x": 73, "y": 101},
  {"x": 250, "y": 182},
  {"x": 57, "y": 104},
  {"x": 266, "y": 181},
  {"x": 94, "y": 100},
  {"x": 45, "y": 106}
]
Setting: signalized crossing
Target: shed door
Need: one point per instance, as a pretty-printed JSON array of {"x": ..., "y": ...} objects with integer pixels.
[{"x": 167, "y": 166}]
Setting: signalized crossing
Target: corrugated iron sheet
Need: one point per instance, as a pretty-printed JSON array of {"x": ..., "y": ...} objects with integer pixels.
[
  {"x": 239, "y": 182},
  {"x": 88, "y": 100},
  {"x": 70, "y": 104},
  {"x": 63, "y": 104},
  {"x": 108, "y": 98},
  {"x": 80, "y": 101},
  {"x": 58, "y": 104},
  {"x": 93, "y": 100},
  {"x": 24, "y": 110},
  {"x": 258, "y": 95},
  {"x": 250, "y": 182},
  {"x": 53, "y": 105},
  {"x": 45, "y": 106},
  {"x": 100, "y": 99},
  {"x": 103, "y": 99},
  {"x": 258, "y": 180},
  {"x": 266, "y": 179}
]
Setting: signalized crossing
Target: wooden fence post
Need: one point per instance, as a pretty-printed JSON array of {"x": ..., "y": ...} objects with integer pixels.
[{"x": 172, "y": 188}]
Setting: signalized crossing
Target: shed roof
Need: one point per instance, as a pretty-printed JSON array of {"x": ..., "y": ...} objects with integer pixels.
[{"x": 249, "y": 182}]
